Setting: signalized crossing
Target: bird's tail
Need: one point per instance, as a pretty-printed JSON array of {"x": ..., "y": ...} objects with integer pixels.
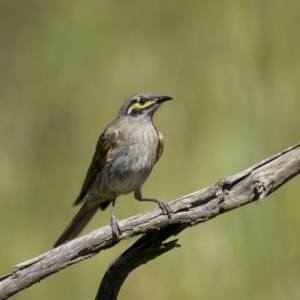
[{"x": 77, "y": 224}]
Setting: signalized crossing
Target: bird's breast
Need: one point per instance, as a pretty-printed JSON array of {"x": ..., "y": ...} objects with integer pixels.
[{"x": 131, "y": 160}]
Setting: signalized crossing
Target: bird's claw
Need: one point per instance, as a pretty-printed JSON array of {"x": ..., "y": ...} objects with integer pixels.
[
  {"x": 115, "y": 227},
  {"x": 164, "y": 207}
]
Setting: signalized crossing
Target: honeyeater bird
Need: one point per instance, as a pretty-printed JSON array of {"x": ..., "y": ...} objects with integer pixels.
[{"x": 125, "y": 155}]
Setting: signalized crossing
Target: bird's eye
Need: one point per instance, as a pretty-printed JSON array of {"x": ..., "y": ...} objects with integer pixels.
[
  {"x": 139, "y": 104},
  {"x": 142, "y": 101}
]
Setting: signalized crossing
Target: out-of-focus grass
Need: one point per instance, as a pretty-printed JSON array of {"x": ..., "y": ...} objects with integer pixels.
[{"x": 233, "y": 68}]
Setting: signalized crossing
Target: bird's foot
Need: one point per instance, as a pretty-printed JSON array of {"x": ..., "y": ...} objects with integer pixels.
[
  {"x": 116, "y": 230},
  {"x": 164, "y": 207}
]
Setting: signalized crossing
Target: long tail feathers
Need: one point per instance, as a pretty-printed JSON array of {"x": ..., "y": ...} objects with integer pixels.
[{"x": 77, "y": 224}]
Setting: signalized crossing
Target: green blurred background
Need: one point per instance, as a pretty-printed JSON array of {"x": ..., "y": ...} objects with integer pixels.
[{"x": 233, "y": 68}]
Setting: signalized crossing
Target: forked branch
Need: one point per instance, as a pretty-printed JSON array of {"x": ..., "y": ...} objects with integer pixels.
[{"x": 253, "y": 184}]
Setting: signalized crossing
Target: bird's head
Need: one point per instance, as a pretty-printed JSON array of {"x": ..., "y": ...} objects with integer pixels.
[{"x": 142, "y": 104}]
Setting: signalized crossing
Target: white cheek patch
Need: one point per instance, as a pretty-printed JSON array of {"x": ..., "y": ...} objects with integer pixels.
[{"x": 129, "y": 110}]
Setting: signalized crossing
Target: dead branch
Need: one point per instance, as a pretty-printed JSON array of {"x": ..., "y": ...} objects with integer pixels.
[{"x": 252, "y": 184}]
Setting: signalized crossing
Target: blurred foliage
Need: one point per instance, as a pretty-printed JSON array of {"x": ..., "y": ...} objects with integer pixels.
[{"x": 233, "y": 68}]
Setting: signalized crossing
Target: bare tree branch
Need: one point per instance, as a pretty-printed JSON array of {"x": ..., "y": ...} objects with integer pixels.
[
  {"x": 253, "y": 184},
  {"x": 146, "y": 248}
]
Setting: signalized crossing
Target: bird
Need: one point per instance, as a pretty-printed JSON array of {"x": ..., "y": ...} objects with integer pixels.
[{"x": 125, "y": 155}]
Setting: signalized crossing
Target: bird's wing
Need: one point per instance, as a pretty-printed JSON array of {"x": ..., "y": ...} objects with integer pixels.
[
  {"x": 103, "y": 150},
  {"x": 160, "y": 147}
]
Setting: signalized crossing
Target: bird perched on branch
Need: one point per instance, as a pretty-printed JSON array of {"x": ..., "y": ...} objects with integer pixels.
[{"x": 124, "y": 157}]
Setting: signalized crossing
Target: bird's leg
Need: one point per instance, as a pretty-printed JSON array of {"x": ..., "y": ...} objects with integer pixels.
[
  {"x": 163, "y": 205},
  {"x": 116, "y": 230}
]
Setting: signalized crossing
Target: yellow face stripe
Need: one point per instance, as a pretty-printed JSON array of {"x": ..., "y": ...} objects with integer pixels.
[{"x": 141, "y": 106}]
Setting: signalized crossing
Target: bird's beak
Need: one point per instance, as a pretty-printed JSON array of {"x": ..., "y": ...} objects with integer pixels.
[{"x": 161, "y": 99}]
